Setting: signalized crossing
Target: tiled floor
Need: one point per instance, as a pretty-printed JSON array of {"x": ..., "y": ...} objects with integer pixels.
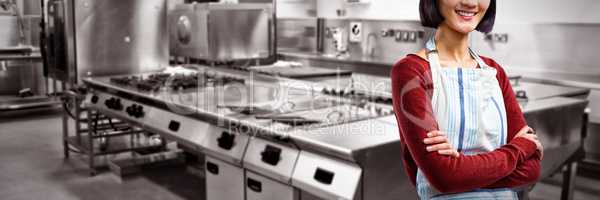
[{"x": 32, "y": 167}]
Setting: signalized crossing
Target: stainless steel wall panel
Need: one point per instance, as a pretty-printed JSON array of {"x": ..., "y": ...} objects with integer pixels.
[
  {"x": 187, "y": 31},
  {"x": 566, "y": 48},
  {"x": 297, "y": 35},
  {"x": 221, "y": 32},
  {"x": 9, "y": 35},
  {"x": 120, "y": 36},
  {"x": 249, "y": 39}
]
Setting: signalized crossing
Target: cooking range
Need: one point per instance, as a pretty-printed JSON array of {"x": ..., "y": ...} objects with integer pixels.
[
  {"x": 262, "y": 133},
  {"x": 153, "y": 82}
]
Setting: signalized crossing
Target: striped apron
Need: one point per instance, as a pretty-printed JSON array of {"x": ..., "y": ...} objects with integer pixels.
[{"x": 468, "y": 106}]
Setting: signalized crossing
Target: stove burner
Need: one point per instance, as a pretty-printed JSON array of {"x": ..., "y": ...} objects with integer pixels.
[{"x": 154, "y": 82}]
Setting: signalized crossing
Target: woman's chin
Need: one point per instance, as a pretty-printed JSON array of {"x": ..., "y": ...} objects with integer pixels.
[{"x": 465, "y": 29}]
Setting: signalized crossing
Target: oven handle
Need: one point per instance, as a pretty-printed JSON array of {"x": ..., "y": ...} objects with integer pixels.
[
  {"x": 212, "y": 168},
  {"x": 254, "y": 185}
]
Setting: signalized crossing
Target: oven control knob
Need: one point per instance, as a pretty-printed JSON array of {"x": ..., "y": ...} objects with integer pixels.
[
  {"x": 94, "y": 99},
  {"x": 129, "y": 110},
  {"x": 118, "y": 105},
  {"x": 389, "y": 101},
  {"x": 271, "y": 155},
  {"x": 135, "y": 110},
  {"x": 110, "y": 103},
  {"x": 226, "y": 141},
  {"x": 379, "y": 111},
  {"x": 139, "y": 111}
]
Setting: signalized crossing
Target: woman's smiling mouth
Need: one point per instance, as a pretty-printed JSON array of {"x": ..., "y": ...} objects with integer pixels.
[{"x": 465, "y": 15}]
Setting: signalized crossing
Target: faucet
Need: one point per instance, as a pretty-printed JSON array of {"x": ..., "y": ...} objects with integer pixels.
[{"x": 369, "y": 49}]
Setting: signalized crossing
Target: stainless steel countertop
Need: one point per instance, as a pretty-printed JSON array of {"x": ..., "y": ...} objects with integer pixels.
[
  {"x": 388, "y": 62},
  {"x": 590, "y": 81},
  {"x": 537, "y": 91}
]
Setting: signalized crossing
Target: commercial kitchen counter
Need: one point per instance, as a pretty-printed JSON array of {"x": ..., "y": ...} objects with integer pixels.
[
  {"x": 590, "y": 81},
  {"x": 264, "y": 85},
  {"x": 351, "y": 139},
  {"x": 387, "y": 62}
]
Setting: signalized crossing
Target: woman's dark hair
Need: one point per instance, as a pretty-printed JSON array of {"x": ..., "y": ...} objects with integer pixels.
[{"x": 432, "y": 18}]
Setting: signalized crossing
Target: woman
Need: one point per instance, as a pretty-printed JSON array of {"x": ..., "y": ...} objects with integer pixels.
[{"x": 463, "y": 133}]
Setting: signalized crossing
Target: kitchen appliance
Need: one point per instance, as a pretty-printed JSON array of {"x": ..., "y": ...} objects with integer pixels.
[
  {"x": 260, "y": 188},
  {"x": 269, "y": 166},
  {"x": 221, "y": 32},
  {"x": 257, "y": 154},
  {"x": 223, "y": 180},
  {"x": 90, "y": 37}
]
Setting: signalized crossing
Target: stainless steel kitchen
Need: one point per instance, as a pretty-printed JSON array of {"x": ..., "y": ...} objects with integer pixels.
[{"x": 299, "y": 99}]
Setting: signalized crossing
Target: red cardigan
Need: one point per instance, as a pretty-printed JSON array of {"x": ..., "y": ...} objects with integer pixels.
[{"x": 515, "y": 164}]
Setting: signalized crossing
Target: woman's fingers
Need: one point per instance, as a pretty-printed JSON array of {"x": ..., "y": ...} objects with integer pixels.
[
  {"x": 435, "y": 140},
  {"x": 437, "y": 147},
  {"x": 449, "y": 152},
  {"x": 438, "y": 142},
  {"x": 524, "y": 130},
  {"x": 435, "y": 133},
  {"x": 534, "y": 139},
  {"x": 539, "y": 145}
]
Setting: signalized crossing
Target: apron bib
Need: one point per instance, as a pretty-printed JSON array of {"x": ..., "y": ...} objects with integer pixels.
[{"x": 468, "y": 106}]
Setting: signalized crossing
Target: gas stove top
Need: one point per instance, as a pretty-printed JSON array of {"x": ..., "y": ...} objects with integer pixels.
[{"x": 174, "y": 81}]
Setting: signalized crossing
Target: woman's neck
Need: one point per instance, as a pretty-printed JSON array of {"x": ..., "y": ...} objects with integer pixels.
[{"x": 452, "y": 45}]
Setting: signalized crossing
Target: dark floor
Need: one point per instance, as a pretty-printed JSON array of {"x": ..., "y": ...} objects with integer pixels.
[{"x": 32, "y": 167}]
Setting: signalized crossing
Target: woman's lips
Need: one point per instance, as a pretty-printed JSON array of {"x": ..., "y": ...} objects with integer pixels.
[{"x": 465, "y": 15}]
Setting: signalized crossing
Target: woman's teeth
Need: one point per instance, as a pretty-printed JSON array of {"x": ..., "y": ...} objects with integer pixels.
[{"x": 465, "y": 13}]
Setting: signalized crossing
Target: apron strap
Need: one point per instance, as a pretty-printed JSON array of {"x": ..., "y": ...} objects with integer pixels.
[
  {"x": 432, "y": 55},
  {"x": 478, "y": 59},
  {"x": 434, "y": 61}
]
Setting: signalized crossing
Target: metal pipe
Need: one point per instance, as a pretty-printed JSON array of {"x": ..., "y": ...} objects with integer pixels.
[{"x": 3, "y": 66}]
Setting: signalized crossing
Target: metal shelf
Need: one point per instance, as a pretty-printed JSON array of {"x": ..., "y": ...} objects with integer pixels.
[
  {"x": 28, "y": 102},
  {"x": 119, "y": 137},
  {"x": 36, "y": 56},
  {"x": 115, "y": 146}
]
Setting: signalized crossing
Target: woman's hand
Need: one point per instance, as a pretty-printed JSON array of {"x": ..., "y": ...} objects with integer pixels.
[
  {"x": 437, "y": 141},
  {"x": 528, "y": 133}
]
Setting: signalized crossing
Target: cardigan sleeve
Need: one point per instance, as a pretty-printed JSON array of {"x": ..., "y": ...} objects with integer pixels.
[{"x": 412, "y": 106}]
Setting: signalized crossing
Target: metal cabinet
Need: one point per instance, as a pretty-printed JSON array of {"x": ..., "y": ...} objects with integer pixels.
[
  {"x": 223, "y": 181},
  {"x": 261, "y": 188},
  {"x": 271, "y": 159},
  {"x": 325, "y": 177}
]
